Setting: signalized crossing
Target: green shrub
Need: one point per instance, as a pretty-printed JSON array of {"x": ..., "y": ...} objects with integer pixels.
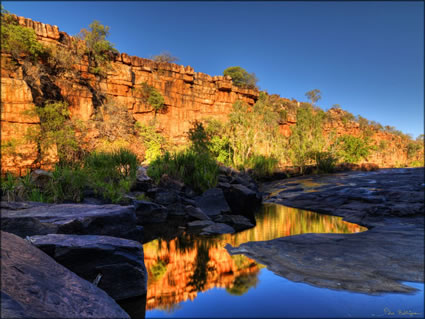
[
  {"x": 151, "y": 96},
  {"x": 197, "y": 170},
  {"x": 154, "y": 142},
  {"x": 67, "y": 184},
  {"x": 413, "y": 148},
  {"x": 417, "y": 163},
  {"x": 241, "y": 78},
  {"x": 98, "y": 48},
  {"x": 352, "y": 149},
  {"x": 199, "y": 138},
  {"x": 262, "y": 166},
  {"x": 18, "y": 40},
  {"x": 56, "y": 129},
  {"x": 325, "y": 162},
  {"x": 111, "y": 175},
  {"x": 9, "y": 186}
]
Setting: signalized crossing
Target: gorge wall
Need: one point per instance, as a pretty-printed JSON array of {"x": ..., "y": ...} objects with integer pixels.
[{"x": 188, "y": 96}]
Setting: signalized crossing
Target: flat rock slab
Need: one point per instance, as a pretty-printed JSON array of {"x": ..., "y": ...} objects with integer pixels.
[
  {"x": 119, "y": 261},
  {"x": 217, "y": 229},
  {"x": 35, "y": 286},
  {"x": 110, "y": 220},
  {"x": 372, "y": 262},
  {"x": 389, "y": 202}
]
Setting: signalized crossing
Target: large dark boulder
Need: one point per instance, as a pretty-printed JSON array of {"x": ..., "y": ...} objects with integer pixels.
[
  {"x": 35, "y": 286},
  {"x": 118, "y": 261},
  {"x": 149, "y": 212},
  {"x": 238, "y": 222},
  {"x": 212, "y": 202},
  {"x": 242, "y": 200},
  {"x": 80, "y": 219}
]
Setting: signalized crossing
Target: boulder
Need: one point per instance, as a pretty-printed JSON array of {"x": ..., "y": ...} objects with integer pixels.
[
  {"x": 196, "y": 213},
  {"x": 143, "y": 181},
  {"x": 118, "y": 261},
  {"x": 176, "y": 209},
  {"x": 80, "y": 219},
  {"x": 242, "y": 200},
  {"x": 216, "y": 229},
  {"x": 166, "y": 197},
  {"x": 36, "y": 286},
  {"x": 212, "y": 202},
  {"x": 238, "y": 222},
  {"x": 149, "y": 212}
]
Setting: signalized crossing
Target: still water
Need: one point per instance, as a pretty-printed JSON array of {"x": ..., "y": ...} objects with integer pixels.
[{"x": 192, "y": 276}]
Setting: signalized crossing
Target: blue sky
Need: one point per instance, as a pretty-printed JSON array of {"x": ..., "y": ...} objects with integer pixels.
[{"x": 366, "y": 56}]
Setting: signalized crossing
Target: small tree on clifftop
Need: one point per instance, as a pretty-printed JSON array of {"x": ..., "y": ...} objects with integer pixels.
[
  {"x": 241, "y": 77},
  {"x": 314, "y": 95}
]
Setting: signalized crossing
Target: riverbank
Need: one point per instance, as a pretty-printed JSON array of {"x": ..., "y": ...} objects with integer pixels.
[{"x": 390, "y": 203}]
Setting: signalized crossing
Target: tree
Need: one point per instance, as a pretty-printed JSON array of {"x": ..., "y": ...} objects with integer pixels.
[
  {"x": 241, "y": 77},
  {"x": 314, "y": 95},
  {"x": 164, "y": 57},
  {"x": 98, "y": 47}
]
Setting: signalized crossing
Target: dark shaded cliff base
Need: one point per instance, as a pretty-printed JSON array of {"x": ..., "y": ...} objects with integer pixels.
[{"x": 388, "y": 202}]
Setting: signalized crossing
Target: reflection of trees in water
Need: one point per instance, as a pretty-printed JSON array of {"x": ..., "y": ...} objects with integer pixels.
[
  {"x": 242, "y": 284},
  {"x": 199, "y": 277}
]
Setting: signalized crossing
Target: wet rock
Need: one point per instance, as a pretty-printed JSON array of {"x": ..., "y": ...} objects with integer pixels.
[
  {"x": 149, "y": 212},
  {"x": 110, "y": 220},
  {"x": 176, "y": 209},
  {"x": 346, "y": 262},
  {"x": 196, "y": 213},
  {"x": 165, "y": 197},
  {"x": 238, "y": 222},
  {"x": 216, "y": 229},
  {"x": 200, "y": 223},
  {"x": 36, "y": 286},
  {"x": 118, "y": 261},
  {"x": 212, "y": 202},
  {"x": 389, "y": 202},
  {"x": 242, "y": 200}
]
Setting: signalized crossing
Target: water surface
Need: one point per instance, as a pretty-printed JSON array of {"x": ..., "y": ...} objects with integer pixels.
[{"x": 191, "y": 276}]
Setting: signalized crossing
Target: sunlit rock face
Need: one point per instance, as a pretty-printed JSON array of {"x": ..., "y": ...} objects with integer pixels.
[
  {"x": 180, "y": 268},
  {"x": 188, "y": 95}
]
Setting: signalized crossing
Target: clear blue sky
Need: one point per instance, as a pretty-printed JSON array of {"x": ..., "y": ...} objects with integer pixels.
[{"x": 366, "y": 56}]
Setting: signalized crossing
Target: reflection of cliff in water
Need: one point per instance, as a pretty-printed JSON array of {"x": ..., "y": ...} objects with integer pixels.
[
  {"x": 181, "y": 267},
  {"x": 177, "y": 273}
]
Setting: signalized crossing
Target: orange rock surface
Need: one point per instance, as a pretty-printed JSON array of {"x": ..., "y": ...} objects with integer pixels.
[{"x": 188, "y": 95}]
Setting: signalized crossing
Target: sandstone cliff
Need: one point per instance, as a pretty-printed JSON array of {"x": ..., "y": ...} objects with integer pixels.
[{"x": 188, "y": 96}]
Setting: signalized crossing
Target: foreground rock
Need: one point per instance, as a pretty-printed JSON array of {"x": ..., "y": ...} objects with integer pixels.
[
  {"x": 118, "y": 261},
  {"x": 389, "y": 202},
  {"x": 35, "y": 219},
  {"x": 35, "y": 286},
  {"x": 212, "y": 202}
]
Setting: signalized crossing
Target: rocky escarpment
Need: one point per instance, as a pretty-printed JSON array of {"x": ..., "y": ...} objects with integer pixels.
[{"x": 188, "y": 95}]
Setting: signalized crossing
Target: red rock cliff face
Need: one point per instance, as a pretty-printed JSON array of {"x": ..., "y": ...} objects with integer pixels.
[{"x": 188, "y": 95}]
